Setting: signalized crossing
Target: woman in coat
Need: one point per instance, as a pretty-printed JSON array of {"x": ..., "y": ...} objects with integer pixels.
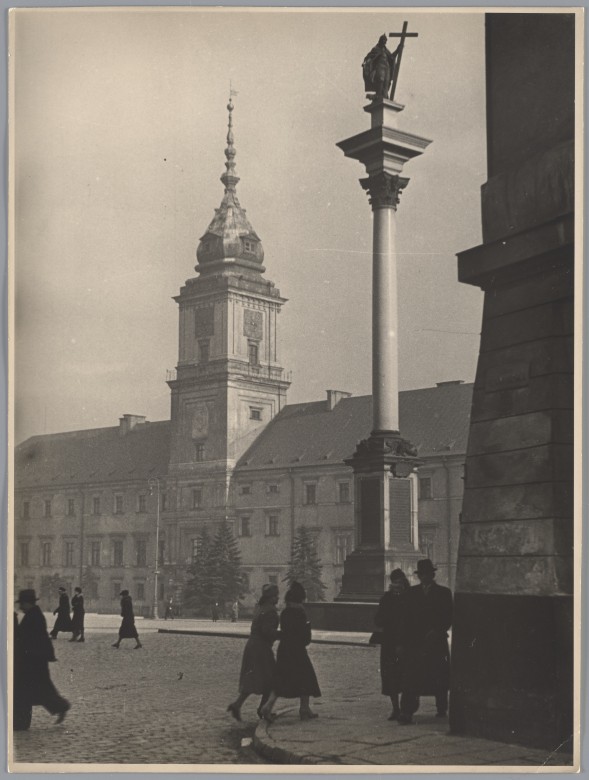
[
  {"x": 78, "y": 616},
  {"x": 389, "y": 619},
  {"x": 257, "y": 665},
  {"x": 64, "y": 621},
  {"x": 294, "y": 676},
  {"x": 127, "y": 629}
]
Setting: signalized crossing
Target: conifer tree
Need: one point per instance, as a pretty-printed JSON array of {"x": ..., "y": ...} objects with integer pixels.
[
  {"x": 305, "y": 566},
  {"x": 227, "y": 575},
  {"x": 197, "y": 591}
]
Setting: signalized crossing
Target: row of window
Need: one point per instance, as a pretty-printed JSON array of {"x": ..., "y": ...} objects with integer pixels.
[
  {"x": 49, "y": 555},
  {"x": 97, "y": 506}
]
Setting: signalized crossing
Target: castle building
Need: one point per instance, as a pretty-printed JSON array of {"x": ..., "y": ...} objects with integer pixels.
[{"x": 100, "y": 507}]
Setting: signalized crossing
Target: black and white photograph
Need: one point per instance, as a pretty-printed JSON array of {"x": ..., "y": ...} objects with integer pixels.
[{"x": 295, "y": 320}]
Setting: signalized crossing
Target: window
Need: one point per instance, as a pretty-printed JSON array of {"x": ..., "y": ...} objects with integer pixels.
[
  {"x": 92, "y": 589},
  {"x": 245, "y": 581},
  {"x": 255, "y": 414},
  {"x": 142, "y": 503},
  {"x": 274, "y": 489},
  {"x": 117, "y": 553},
  {"x": 116, "y": 590},
  {"x": 95, "y": 554},
  {"x": 26, "y": 510},
  {"x": 140, "y": 591},
  {"x": 48, "y": 507},
  {"x": 310, "y": 493},
  {"x": 46, "y": 554},
  {"x": 244, "y": 526},
  {"x": 164, "y": 499},
  {"x": 248, "y": 245},
  {"x": 119, "y": 509},
  {"x": 141, "y": 550},
  {"x": 161, "y": 554},
  {"x": 199, "y": 451},
  {"x": 343, "y": 547},
  {"x": 196, "y": 497},
  {"x": 272, "y": 525},
  {"x": 245, "y": 490},
  {"x": 69, "y": 553},
  {"x": 24, "y": 553},
  {"x": 344, "y": 492},
  {"x": 195, "y": 546},
  {"x": 160, "y": 591},
  {"x": 426, "y": 544},
  {"x": 425, "y": 487},
  {"x": 252, "y": 352},
  {"x": 95, "y": 505},
  {"x": 204, "y": 351},
  {"x": 71, "y": 507}
]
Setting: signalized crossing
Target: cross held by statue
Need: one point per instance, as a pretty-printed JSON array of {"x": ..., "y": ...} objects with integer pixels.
[{"x": 402, "y": 35}]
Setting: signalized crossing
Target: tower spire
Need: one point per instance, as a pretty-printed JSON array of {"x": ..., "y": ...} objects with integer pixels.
[{"x": 229, "y": 178}]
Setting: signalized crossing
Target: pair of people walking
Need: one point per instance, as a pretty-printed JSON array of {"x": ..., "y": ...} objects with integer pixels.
[
  {"x": 415, "y": 658},
  {"x": 291, "y": 675},
  {"x": 65, "y": 622}
]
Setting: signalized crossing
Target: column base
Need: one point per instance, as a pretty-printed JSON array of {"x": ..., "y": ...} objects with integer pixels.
[{"x": 366, "y": 572}]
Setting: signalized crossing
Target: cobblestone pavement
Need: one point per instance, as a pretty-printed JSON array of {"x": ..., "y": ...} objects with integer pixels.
[{"x": 128, "y": 706}]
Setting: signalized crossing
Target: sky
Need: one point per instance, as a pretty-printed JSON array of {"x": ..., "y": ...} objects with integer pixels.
[{"x": 119, "y": 126}]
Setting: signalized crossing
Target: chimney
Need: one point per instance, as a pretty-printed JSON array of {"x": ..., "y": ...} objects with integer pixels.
[
  {"x": 334, "y": 397},
  {"x": 128, "y": 421}
]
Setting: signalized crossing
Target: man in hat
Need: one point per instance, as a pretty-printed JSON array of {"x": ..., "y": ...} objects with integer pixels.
[
  {"x": 424, "y": 640},
  {"x": 127, "y": 629},
  {"x": 78, "y": 616},
  {"x": 64, "y": 621},
  {"x": 33, "y": 652}
]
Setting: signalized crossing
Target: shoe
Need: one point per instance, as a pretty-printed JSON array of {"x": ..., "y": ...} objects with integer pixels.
[
  {"x": 307, "y": 715},
  {"x": 72, "y": 640},
  {"x": 61, "y": 715},
  {"x": 234, "y": 710},
  {"x": 81, "y": 640},
  {"x": 115, "y": 645},
  {"x": 405, "y": 720},
  {"x": 269, "y": 717},
  {"x": 394, "y": 715},
  {"x": 137, "y": 647}
]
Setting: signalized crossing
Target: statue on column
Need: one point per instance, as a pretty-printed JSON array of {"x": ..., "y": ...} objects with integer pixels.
[{"x": 379, "y": 68}]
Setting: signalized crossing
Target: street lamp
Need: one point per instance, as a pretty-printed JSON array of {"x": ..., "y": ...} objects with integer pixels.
[{"x": 154, "y": 481}]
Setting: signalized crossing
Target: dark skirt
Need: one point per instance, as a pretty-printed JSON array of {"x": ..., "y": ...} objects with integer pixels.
[
  {"x": 294, "y": 675},
  {"x": 63, "y": 623},
  {"x": 390, "y": 671},
  {"x": 257, "y": 667},
  {"x": 78, "y": 621},
  {"x": 127, "y": 629}
]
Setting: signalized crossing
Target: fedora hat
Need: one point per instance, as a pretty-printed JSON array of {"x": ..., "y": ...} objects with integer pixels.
[
  {"x": 124, "y": 593},
  {"x": 425, "y": 565},
  {"x": 27, "y": 596}
]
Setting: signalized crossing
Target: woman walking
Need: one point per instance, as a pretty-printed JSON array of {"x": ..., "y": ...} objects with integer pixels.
[
  {"x": 257, "y": 665},
  {"x": 78, "y": 616},
  {"x": 294, "y": 676},
  {"x": 127, "y": 629},
  {"x": 388, "y": 618},
  {"x": 64, "y": 621}
]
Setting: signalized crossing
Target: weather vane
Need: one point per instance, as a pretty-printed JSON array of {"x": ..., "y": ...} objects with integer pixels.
[{"x": 380, "y": 68}]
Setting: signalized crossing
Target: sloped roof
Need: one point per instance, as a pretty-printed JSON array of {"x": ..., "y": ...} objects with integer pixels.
[
  {"x": 434, "y": 419},
  {"x": 97, "y": 455}
]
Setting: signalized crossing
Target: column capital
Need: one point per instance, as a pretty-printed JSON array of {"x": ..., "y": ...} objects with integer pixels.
[{"x": 384, "y": 189}]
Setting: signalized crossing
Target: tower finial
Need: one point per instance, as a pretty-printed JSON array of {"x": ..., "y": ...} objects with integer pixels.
[{"x": 229, "y": 178}]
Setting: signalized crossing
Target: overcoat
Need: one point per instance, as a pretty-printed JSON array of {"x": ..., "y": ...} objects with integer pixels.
[
  {"x": 78, "y": 612},
  {"x": 424, "y": 637},
  {"x": 389, "y": 616},
  {"x": 294, "y": 675},
  {"x": 257, "y": 664},
  {"x": 127, "y": 629},
  {"x": 64, "y": 621},
  {"x": 34, "y": 652}
]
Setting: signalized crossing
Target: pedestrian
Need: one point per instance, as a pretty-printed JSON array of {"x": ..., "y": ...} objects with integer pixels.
[
  {"x": 389, "y": 618},
  {"x": 127, "y": 629},
  {"x": 258, "y": 662},
  {"x": 78, "y": 613},
  {"x": 33, "y": 653},
  {"x": 294, "y": 676},
  {"x": 427, "y": 618},
  {"x": 169, "y": 610},
  {"x": 64, "y": 621},
  {"x": 215, "y": 612},
  {"x": 235, "y": 611}
]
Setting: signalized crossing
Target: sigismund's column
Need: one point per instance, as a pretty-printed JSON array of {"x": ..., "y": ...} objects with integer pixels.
[{"x": 383, "y": 462}]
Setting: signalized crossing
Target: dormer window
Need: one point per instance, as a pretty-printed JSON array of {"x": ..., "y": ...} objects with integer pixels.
[{"x": 249, "y": 246}]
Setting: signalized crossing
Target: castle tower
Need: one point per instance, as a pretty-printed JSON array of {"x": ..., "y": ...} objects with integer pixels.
[{"x": 228, "y": 382}]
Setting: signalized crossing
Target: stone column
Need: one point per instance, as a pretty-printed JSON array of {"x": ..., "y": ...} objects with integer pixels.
[{"x": 383, "y": 462}]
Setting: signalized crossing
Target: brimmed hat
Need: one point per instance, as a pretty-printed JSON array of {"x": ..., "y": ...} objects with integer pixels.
[
  {"x": 124, "y": 593},
  {"x": 296, "y": 593},
  {"x": 269, "y": 589},
  {"x": 61, "y": 588},
  {"x": 397, "y": 575},
  {"x": 425, "y": 566},
  {"x": 27, "y": 596}
]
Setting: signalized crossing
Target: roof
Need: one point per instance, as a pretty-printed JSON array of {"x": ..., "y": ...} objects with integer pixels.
[
  {"x": 434, "y": 419},
  {"x": 97, "y": 455}
]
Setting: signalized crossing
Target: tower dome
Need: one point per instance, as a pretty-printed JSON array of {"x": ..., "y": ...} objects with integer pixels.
[{"x": 230, "y": 240}]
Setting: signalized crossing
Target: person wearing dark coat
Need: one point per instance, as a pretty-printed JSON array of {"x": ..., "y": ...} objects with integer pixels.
[
  {"x": 78, "y": 616},
  {"x": 127, "y": 629},
  {"x": 424, "y": 639},
  {"x": 388, "y": 618},
  {"x": 294, "y": 676},
  {"x": 64, "y": 621},
  {"x": 33, "y": 652},
  {"x": 257, "y": 664}
]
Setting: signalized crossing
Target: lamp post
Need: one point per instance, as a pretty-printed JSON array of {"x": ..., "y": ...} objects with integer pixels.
[{"x": 154, "y": 481}]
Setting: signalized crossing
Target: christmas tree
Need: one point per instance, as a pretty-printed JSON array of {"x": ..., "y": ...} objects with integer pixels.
[
  {"x": 197, "y": 592},
  {"x": 305, "y": 566},
  {"x": 226, "y": 573}
]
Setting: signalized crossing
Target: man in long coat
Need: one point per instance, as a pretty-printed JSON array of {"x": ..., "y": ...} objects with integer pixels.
[
  {"x": 78, "y": 616},
  {"x": 424, "y": 641},
  {"x": 64, "y": 621},
  {"x": 33, "y": 652}
]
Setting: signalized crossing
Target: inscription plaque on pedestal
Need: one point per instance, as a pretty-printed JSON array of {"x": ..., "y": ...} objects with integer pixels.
[{"x": 370, "y": 511}]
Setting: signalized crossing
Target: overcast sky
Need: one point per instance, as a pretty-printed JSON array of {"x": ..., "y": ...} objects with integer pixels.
[{"x": 120, "y": 125}]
